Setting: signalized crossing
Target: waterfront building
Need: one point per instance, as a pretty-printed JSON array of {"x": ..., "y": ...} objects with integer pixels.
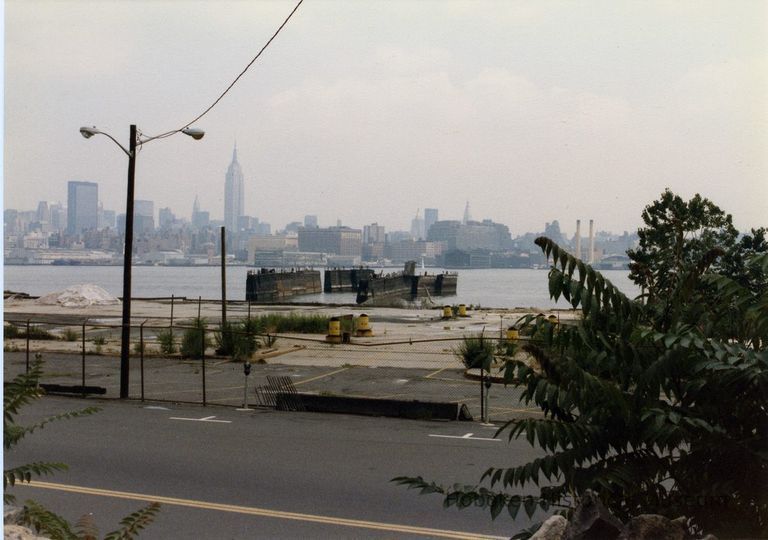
[
  {"x": 414, "y": 250},
  {"x": 472, "y": 235},
  {"x": 233, "y": 195},
  {"x": 82, "y": 206}
]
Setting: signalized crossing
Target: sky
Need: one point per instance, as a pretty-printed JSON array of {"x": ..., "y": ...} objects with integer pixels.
[{"x": 369, "y": 111}]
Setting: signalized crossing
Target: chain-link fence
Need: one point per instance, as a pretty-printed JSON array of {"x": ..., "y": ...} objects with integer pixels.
[{"x": 204, "y": 363}]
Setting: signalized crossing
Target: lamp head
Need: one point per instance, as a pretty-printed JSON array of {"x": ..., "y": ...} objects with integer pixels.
[
  {"x": 195, "y": 133},
  {"x": 88, "y": 132}
]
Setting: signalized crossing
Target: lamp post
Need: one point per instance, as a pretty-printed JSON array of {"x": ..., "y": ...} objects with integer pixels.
[{"x": 133, "y": 142}]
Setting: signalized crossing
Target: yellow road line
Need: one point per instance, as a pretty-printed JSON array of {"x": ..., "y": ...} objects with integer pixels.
[
  {"x": 436, "y": 372},
  {"x": 253, "y": 511},
  {"x": 320, "y": 376}
]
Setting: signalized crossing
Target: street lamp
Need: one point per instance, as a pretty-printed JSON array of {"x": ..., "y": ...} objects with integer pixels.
[{"x": 134, "y": 141}]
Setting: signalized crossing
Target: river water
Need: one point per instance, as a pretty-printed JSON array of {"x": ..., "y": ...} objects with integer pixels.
[{"x": 498, "y": 288}]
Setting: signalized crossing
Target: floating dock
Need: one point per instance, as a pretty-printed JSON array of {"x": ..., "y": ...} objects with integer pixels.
[
  {"x": 345, "y": 279},
  {"x": 265, "y": 285},
  {"x": 406, "y": 284}
]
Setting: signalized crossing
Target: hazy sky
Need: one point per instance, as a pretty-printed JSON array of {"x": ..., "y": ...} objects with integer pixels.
[{"x": 368, "y": 110}]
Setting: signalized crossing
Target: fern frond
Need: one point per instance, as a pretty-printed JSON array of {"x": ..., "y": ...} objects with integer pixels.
[{"x": 133, "y": 524}]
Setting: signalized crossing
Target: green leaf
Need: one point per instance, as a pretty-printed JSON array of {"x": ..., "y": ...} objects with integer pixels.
[{"x": 497, "y": 505}]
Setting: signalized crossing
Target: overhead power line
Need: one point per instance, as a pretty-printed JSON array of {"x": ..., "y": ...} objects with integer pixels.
[{"x": 224, "y": 93}]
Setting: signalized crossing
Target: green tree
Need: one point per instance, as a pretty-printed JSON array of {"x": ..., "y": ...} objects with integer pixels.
[
  {"x": 21, "y": 391},
  {"x": 657, "y": 411},
  {"x": 677, "y": 234}
]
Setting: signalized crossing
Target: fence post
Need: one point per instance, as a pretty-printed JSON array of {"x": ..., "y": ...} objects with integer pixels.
[
  {"x": 141, "y": 355},
  {"x": 199, "y": 303},
  {"x": 482, "y": 394},
  {"x": 249, "y": 309},
  {"x": 27, "y": 345},
  {"x": 172, "y": 302},
  {"x": 202, "y": 359},
  {"x": 83, "y": 366}
]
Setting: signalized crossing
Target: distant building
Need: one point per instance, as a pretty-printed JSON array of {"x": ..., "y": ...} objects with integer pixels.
[
  {"x": 107, "y": 219},
  {"x": 374, "y": 233},
  {"x": 413, "y": 250},
  {"x": 82, "y": 206},
  {"x": 331, "y": 240},
  {"x": 310, "y": 221},
  {"x": 200, "y": 219},
  {"x": 59, "y": 217},
  {"x": 293, "y": 227},
  {"x": 165, "y": 218},
  {"x": 143, "y": 216},
  {"x": 417, "y": 227},
  {"x": 43, "y": 212},
  {"x": 473, "y": 235},
  {"x": 11, "y": 221},
  {"x": 233, "y": 194},
  {"x": 430, "y": 218}
]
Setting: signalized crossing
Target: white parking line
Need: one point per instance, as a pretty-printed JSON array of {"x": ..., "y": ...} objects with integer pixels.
[
  {"x": 468, "y": 436},
  {"x": 206, "y": 419}
]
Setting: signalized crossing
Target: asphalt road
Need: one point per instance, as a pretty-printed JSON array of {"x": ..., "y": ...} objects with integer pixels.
[{"x": 262, "y": 474}]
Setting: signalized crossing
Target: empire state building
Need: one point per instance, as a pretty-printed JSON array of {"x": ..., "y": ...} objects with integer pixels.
[{"x": 233, "y": 195}]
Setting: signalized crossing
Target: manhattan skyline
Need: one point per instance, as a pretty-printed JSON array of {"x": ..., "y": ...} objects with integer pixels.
[{"x": 529, "y": 111}]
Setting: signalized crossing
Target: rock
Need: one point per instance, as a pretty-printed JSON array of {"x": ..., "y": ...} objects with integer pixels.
[
  {"x": 653, "y": 527},
  {"x": 17, "y": 532},
  {"x": 591, "y": 520},
  {"x": 710, "y": 537},
  {"x": 551, "y": 529},
  {"x": 11, "y": 514}
]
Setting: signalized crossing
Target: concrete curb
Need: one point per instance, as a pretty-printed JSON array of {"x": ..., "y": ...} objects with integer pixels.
[{"x": 415, "y": 410}]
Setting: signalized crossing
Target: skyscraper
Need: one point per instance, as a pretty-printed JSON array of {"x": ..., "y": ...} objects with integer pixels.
[
  {"x": 143, "y": 216},
  {"x": 82, "y": 206},
  {"x": 467, "y": 215},
  {"x": 233, "y": 195},
  {"x": 430, "y": 218}
]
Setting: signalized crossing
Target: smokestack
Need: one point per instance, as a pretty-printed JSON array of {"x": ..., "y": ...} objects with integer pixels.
[
  {"x": 591, "y": 241},
  {"x": 578, "y": 239}
]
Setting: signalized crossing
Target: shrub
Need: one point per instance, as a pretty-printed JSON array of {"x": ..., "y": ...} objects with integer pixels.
[
  {"x": 166, "y": 340},
  {"x": 237, "y": 340},
  {"x": 11, "y": 331},
  {"x": 100, "y": 340},
  {"x": 70, "y": 335},
  {"x": 476, "y": 352},
  {"x": 293, "y": 322},
  {"x": 192, "y": 340}
]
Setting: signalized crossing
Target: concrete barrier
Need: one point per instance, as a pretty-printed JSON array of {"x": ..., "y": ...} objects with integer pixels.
[{"x": 417, "y": 410}]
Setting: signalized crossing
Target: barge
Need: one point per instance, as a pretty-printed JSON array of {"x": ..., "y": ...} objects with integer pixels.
[
  {"x": 406, "y": 284},
  {"x": 265, "y": 285}
]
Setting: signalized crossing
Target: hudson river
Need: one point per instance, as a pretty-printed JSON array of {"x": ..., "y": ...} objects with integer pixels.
[{"x": 499, "y": 288}]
